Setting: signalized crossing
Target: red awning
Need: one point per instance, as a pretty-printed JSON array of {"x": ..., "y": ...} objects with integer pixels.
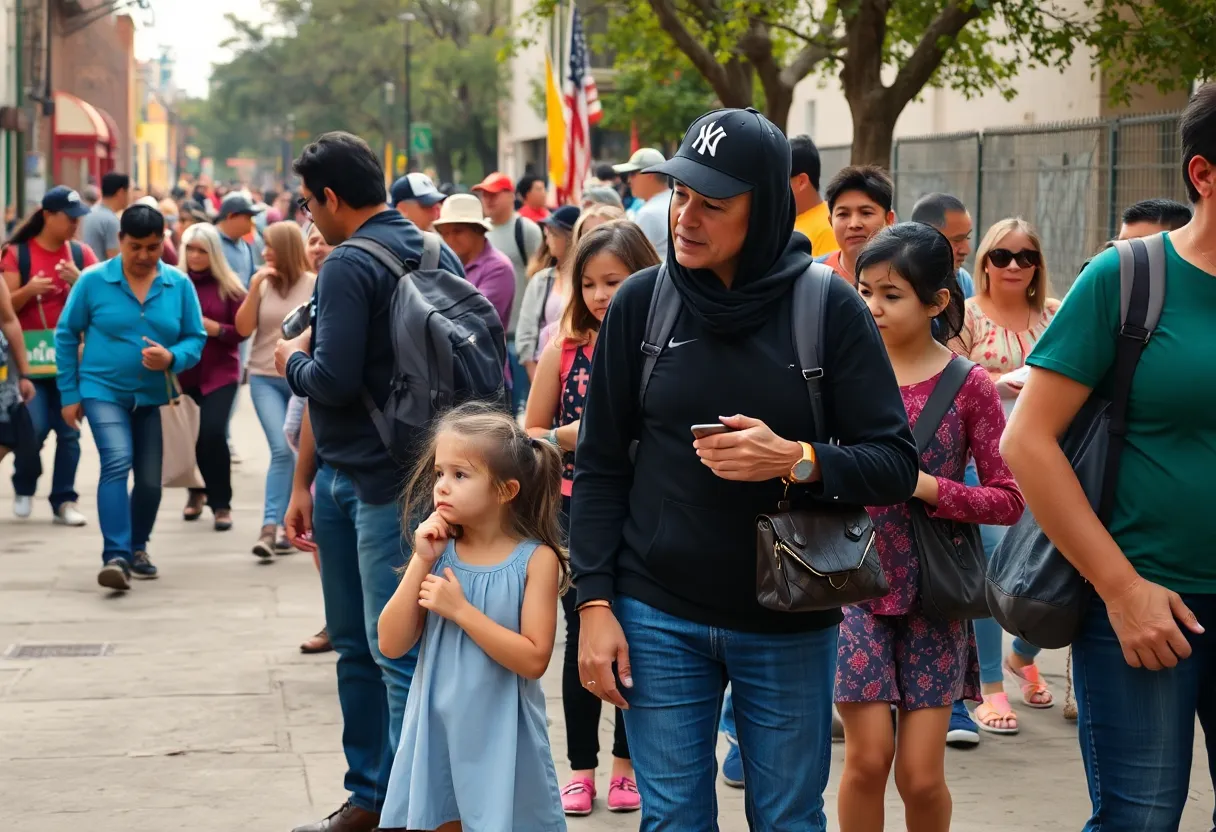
[{"x": 77, "y": 118}]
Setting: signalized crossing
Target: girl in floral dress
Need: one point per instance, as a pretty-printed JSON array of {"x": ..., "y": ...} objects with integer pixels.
[
  {"x": 891, "y": 652},
  {"x": 603, "y": 259}
]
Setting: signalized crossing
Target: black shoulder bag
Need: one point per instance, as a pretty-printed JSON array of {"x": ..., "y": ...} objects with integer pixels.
[{"x": 952, "y": 562}]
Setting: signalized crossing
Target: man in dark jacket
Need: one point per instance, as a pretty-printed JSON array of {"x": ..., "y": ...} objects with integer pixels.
[
  {"x": 663, "y": 548},
  {"x": 355, "y": 519}
]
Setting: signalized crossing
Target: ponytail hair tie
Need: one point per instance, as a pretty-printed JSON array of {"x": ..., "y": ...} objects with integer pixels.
[{"x": 533, "y": 443}]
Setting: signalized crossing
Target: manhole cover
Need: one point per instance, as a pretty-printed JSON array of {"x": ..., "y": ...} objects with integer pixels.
[{"x": 56, "y": 651}]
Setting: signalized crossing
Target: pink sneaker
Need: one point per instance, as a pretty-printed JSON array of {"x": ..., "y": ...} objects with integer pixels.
[
  {"x": 577, "y": 796},
  {"x": 623, "y": 795}
]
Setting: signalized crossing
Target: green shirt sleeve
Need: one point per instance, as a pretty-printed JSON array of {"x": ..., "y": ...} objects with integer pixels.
[{"x": 1079, "y": 343}]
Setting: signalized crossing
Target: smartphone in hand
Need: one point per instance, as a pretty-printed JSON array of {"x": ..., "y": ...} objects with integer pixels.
[{"x": 713, "y": 429}]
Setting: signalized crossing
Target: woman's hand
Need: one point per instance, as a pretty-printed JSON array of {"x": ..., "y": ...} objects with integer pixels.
[
  {"x": 298, "y": 520},
  {"x": 156, "y": 357},
  {"x": 443, "y": 595},
  {"x": 751, "y": 452},
  {"x": 67, "y": 270},
  {"x": 601, "y": 641},
  {"x": 72, "y": 414},
  {"x": 1145, "y": 619},
  {"x": 431, "y": 538},
  {"x": 211, "y": 327},
  {"x": 260, "y": 276},
  {"x": 26, "y": 388}
]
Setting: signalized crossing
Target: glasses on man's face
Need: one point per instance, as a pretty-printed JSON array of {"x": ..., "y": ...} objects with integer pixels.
[
  {"x": 1026, "y": 259},
  {"x": 302, "y": 205}
]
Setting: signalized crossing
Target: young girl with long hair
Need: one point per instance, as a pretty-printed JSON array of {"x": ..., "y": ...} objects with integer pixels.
[
  {"x": 480, "y": 591},
  {"x": 285, "y": 282},
  {"x": 890, "y": 652},
  {"x": 605, "y": 257},
  {"x": 547, "y": 290},
  {"x": 213, "y": 382}
]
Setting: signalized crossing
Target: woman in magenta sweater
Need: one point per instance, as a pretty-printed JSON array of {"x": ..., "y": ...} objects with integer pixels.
[{"x": 213, "y": 382}]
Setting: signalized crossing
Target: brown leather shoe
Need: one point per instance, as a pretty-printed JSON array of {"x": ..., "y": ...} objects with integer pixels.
[
  {"x": 349, "y": 818},
  {"x": 319, "y": 643}
]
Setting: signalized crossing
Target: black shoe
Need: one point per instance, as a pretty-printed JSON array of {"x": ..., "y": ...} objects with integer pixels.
[
  {"x": 142, "y": 566},
  {"x": 115, "y": 575},
  {"x": 349, "y": 818}
]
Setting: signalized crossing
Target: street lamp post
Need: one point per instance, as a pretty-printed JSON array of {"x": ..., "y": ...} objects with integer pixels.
[{"x": 406, "y": 19}]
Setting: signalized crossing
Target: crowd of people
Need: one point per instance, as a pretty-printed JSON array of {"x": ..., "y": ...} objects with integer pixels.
[{"x": 713, "y": 348}]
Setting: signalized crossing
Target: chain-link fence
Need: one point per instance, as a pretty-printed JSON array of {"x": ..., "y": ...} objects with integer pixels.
[
  {"x": 831, "y": 160},
  {"x": 1071, "y": 181}
]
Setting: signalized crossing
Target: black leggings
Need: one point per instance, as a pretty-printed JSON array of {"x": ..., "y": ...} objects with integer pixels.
[
  {"x": 581, "y": 707},
  {"x": 211, "y": 450}
]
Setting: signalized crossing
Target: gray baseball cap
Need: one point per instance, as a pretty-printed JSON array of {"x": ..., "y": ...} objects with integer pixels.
[{"x": 643, "y": 158}]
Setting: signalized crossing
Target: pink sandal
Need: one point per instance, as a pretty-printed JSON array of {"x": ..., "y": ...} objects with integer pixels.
[
  {"x": 1035, "y": 694},
  {"x": 577, "y": 796},
  {"x": 993, "y": 710},
  {"x": 623, "y": 795}
]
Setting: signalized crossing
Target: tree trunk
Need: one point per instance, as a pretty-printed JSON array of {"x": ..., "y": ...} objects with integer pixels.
[
  {"x": 873, "y": 130},
  {"x": 778, "y": 98},
  {"x": 443, "y": 159}
]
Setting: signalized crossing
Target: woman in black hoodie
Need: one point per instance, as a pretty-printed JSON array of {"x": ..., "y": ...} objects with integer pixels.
[{"x": 663, "y": 547}]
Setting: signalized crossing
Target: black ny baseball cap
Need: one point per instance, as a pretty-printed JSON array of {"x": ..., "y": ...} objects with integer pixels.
[{"x": 724, "y": 152}]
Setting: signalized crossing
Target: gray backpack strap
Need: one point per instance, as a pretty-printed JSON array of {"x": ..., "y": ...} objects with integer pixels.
[
  {"x": 660, "y": 322},
  {"x": 1141, "y": 298},
  {"x": 810, "y": 302},
  {"x": 940, "y": 400},
  {"x": 431, "y": 246}
]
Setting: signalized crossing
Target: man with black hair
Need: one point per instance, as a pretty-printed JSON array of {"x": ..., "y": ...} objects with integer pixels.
[
  {"x": 1152, "y": 216},
  {"x": 532, "y": 196},
  {"x": 1142, "y": 660},
  {"x": 99, "y": 230},
  {"x": 950, "y": 216},
  {"x": 344, "y": 357},
  {"x": 813, "y": 218},
  {"x": 859, "y": 201}
]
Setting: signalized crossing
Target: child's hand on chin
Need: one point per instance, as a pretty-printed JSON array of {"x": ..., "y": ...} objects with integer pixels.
[
  {"x": 431, "y": 538},
  {"x": 442, "y": 595}
]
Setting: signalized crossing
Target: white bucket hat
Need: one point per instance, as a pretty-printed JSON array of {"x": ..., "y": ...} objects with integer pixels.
[{"x": 463, "y": 209}]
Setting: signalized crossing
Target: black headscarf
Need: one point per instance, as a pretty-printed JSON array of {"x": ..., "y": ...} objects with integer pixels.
[{"x": 771, "y": 259}]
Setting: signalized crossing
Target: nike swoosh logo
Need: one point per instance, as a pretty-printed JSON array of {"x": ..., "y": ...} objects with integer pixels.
[{"x": 673, "y": 343}]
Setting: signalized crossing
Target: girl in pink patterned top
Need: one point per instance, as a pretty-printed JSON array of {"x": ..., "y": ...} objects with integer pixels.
[{"x": 890, "y": 651}]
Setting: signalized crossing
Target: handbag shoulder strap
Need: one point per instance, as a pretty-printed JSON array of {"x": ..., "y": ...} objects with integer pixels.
[
  {"x": 1141, "y": 299},
  {"x": 660, "y": 322},
  {"x": 944, "y": 393},
  {"x": 810, "y": 302}
]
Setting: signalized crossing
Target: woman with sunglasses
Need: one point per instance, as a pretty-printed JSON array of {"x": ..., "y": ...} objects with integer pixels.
[{"x": 1006, "y": 317}]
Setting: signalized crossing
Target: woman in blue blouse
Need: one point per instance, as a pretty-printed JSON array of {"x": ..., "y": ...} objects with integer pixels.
[{"x": 140, "y": 321}]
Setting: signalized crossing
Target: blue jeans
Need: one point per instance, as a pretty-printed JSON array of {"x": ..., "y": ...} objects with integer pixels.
[
  {"x": 270, "y": 396},
  {"x": 782, "y": 691},
  {"x": 1137, "y": 726},
  {"x": 521, "y": 385},
  {"x": 128, "y": 440},
  {"x": 45, "y": 414},
  {"x": 360, "y": 545}
]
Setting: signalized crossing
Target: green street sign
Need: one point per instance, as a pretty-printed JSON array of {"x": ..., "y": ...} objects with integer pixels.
[{"x": 420, "y": 138}]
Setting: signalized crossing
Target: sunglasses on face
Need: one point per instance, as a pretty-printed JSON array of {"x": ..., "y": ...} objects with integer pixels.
[
  {"x": 1027, "y": 259},
  {"x": 302, "y": 205}
]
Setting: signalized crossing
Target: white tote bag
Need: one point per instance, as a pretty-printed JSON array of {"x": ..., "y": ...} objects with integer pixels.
[{"x": 179, "y": 433}]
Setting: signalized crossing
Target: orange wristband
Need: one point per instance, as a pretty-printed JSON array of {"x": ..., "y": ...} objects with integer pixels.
[{"x": 596, "y": 603}]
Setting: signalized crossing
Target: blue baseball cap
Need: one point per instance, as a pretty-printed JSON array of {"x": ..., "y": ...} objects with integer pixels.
[{"x": 63, "y": 200}]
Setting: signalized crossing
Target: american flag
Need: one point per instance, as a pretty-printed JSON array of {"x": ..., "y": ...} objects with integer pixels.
[{"x": 582, "y": 110}]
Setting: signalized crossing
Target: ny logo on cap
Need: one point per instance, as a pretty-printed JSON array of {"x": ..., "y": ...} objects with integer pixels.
[{"x": 708, "y": 138}]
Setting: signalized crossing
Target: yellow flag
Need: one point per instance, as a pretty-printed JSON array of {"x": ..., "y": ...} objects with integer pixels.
[{"x": 556, "y": 118}]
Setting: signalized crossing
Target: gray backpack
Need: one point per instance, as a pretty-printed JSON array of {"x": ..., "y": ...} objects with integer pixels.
[
  {"x": 1033, "y": 591},
  {"x": 449, "y": 346}
]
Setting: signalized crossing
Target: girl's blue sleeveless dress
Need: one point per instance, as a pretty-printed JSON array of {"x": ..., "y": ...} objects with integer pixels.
[{"x": 475, "y": 741}]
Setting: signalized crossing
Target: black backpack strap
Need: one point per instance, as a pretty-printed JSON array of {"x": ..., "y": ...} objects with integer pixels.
[
  {"x": 1141, "y": 298},
  {"x": 810, "y": 302},
  {"x": 519, "y": 240},
  {"x": 23, "y": 262},
  {"x": 944, "y": 393},
  {"x": 432, "y": 244},
  {"x": 77, "y": 253},
  {"x": 660, "y": 322}
]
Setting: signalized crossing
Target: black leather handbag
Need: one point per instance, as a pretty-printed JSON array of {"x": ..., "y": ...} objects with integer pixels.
[
  {"x": 952, "y": 562},
  {"x": 820, "y": 556}
]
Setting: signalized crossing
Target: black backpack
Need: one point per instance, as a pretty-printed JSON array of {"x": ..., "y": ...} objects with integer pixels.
[
  {"x": 449, "y": 346},
  {"x": 1033, "y": 591},
  {"x": 23, "y": 258}
]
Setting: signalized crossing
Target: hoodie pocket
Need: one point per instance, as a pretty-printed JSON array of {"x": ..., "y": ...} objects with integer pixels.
[{"x": 692, "y": 539}]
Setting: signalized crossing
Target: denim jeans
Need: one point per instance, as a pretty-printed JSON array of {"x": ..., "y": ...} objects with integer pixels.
[
  {"x": 521, "y": 385},
  {"x": 1137, "y": 726},
  {"x": 360, "y": 545},
  {"x": 270, "y": 396},
  {"x": 45, "y": 414},
  {"x": 128, "y": 440},
  {"x": 782, "y": 692}
]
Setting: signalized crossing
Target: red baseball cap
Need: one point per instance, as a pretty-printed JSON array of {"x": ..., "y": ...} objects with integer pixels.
[{"x": 495, "y": 183}]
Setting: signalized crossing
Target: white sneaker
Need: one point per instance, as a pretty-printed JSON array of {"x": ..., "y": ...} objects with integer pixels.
[
  {"x": 68, "y": 515},
  {"x": 22, "y": 506}
]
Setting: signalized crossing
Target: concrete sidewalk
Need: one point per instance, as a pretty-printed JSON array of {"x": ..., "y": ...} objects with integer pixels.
[{"x": 204, "y": 715}]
